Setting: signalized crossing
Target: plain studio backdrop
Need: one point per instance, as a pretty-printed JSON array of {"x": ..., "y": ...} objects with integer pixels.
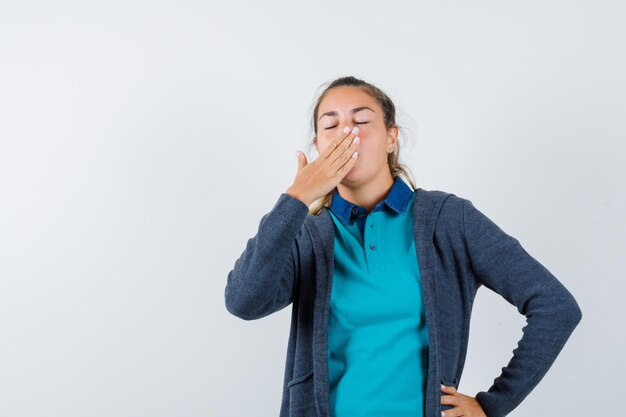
[{"x": 142, "y": 142}]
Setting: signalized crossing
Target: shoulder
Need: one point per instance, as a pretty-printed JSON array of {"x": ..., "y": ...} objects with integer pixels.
[
  {"x": 448, "y": 210},
  {"x": 455, "y": 212},
  {"x": 445, "y": 202}
]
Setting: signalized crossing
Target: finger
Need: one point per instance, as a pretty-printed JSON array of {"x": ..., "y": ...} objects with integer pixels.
[
  {"x": 448, "y": 389},
  {"x": 351, "y": 160},
  {"x": 343, "y": 136},
  {"x": 450, "y": 400},
  {"x": 453, "y": 412},
  {"x": 302, "y": 160},
  {"x": 347, "y": 153},
  {"x": 338, "y": 155},
  {"x": 347, "y": 160}
]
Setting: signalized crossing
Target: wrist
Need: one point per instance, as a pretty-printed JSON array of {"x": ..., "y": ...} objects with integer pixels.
[{"x": 298, "y": 195}]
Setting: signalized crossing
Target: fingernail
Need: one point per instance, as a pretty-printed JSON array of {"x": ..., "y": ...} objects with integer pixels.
[
  {"x": 442, "y": 386},
  {"x": 356, "y": 139},
  {"x": 297, "y": 154},
  {"x": 443, "y": 414},
  {"x": 346, "y": 129},
  {"x": 355, "y": 130}
]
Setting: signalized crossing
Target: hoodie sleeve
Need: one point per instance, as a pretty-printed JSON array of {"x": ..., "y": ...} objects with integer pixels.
[
  {"x": 499, "y": 262},
  {"x": 264, "y": 276}
]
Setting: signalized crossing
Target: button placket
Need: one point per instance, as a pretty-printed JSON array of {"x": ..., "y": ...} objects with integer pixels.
[{"x": 371, "y": 240}]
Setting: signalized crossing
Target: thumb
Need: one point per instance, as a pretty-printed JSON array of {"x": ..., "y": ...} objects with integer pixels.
[{"x": 302, "y": 161}]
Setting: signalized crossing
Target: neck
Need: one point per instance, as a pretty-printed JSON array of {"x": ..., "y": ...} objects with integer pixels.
[{"x": 369, "y": 194}]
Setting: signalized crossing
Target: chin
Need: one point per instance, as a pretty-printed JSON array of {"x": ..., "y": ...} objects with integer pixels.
[{"x": 354, "y": 176}]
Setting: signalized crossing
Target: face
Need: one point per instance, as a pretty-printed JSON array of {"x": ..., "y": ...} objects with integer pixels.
[{"x": 351, "y": 106}]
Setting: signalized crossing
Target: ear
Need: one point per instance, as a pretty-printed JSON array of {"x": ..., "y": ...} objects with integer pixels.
[{"x": 392, "y": 136}]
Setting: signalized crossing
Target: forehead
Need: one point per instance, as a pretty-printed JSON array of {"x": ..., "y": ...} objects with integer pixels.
[{"x": 345, "y": 98}]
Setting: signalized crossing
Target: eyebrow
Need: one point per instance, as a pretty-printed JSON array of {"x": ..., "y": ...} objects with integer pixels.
[{"x": 354, "y": 110}]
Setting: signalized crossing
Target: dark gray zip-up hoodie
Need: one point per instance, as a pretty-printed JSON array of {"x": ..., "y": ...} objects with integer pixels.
[{"x": 290, "y": 260}]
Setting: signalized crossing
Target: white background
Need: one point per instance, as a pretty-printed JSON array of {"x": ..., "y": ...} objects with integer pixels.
[{"x": 141, "y": 142}]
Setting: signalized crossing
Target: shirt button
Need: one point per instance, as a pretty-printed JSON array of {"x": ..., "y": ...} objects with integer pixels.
[
  {"x": 373, "y": 247},
  {"x": 355, "y": 210}
]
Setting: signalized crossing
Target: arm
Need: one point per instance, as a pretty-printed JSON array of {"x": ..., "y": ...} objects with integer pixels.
[
  {"x": 263, "y": 278},
  {"x": 500, "y": 263}
]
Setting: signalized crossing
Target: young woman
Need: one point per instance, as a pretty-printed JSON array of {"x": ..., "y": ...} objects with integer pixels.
[{"x": 382, "y": 277}]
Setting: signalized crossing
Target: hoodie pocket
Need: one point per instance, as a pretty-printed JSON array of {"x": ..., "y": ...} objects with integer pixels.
[
  {"x": 300, "y": 379},
  {"x": 449, "y": 382},
  {"x": 302, "y": 396}
]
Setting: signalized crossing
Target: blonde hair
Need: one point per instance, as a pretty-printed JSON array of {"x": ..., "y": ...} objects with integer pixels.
[{"x": 389, "y": 116}]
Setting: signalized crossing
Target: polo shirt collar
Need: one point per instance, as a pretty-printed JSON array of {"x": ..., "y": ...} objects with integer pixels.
[{"x": 397, "y": 199}]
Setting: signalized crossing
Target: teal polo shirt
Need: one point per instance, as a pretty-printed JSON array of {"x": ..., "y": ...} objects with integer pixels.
[{"x": 377, "y": 333}]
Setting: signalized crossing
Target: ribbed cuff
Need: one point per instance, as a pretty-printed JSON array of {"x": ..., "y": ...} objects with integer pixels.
[
  {"x": 494, "y": 404},
  {"x": 292, "y": 201}
]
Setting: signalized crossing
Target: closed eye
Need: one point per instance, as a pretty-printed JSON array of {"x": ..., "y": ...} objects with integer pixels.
[{"x": 356, "y": 123}]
